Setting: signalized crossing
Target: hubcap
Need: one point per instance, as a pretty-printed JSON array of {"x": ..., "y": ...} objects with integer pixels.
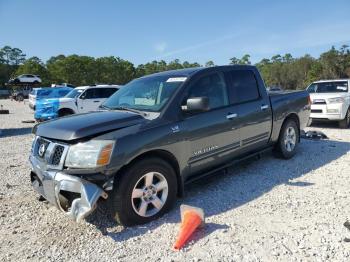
[
  {"x": 290, "y": 139},
  {"x": 149, "y": 194}
]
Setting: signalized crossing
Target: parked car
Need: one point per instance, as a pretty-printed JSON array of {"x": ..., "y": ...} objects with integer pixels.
[
  {"x": 20, "y": 94},
  {"x": 63, "y": 85},
  {"x": 274, "y": 88},
  {"x": 26, "y": 78},
  {"x": 82, "y": 99},
  {"x": 45, "y": 93},
  {"x": 330, "y": 101},
  {"x": 5, "y": 93},
  {"x": 158, "y": 133}
]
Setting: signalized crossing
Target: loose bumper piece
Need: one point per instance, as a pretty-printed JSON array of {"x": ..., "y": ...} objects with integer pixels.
[{"x": 73, "y": 195}]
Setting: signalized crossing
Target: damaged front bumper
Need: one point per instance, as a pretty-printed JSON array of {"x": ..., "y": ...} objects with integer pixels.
[{"x": 73, "y": 195}]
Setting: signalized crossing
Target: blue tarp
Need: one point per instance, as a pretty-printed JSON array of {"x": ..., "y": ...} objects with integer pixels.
[{"x": 46, "y": 109}]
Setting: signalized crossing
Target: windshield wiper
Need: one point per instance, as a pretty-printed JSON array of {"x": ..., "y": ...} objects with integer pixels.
[{"x": 129, "y": 109}]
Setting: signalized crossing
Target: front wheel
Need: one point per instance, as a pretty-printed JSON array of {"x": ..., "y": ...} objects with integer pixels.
[
  {"x": 144, "y": 192},
  {"x": 288, "y": 139},
  {"x": 20, "y": 97},
  {"x": 346, "y": 121}
]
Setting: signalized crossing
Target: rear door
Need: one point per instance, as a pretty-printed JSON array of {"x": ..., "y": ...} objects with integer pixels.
[
  {"x": 213, "y": 135},
  {"x": 254, "y": 109}
]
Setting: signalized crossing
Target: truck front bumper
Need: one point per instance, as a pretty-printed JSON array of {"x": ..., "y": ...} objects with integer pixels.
[
  {"x": 73, "y": 195},
  {"x": 334, "y": 112}
]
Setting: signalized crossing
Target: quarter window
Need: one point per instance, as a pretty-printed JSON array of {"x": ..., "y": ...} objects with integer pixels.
[
  {"x": 212, "y": 86},
  {"x": 244, "y": 85}
]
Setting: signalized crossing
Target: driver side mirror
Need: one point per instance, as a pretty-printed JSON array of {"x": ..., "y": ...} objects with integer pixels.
[{"x": 196, "y": 104}]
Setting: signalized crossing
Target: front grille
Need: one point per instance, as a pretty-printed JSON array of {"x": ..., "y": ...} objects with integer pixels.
[
  {"x": 50, "y": 152},
  {"x": 316, "y": 110},
  {"x": 57, "y": 155}
]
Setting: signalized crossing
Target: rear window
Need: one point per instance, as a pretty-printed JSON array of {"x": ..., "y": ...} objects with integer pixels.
[
  {"x": 44, "y": 93},
  {"x": 244, "y": 86},
  {"x": 328, "y": 87}
]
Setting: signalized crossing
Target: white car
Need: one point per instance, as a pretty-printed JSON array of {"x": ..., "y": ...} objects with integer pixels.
[
  {"x": 81, "y": 99},
  {"x": 26, "y": 78},
  {"x": 330, "y": 101}
]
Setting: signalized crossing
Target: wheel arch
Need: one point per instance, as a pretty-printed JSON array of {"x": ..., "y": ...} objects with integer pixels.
[
  {"x": 164, "y": 155},
  {"x": 65, "y": 109}
]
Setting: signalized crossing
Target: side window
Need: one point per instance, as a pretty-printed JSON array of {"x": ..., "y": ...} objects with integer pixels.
[
  {"x": 244, "y": 85},
  {"x": 105, "y": 92},
  {"x": 212, "y": 86},
  {"x": 89, "y": 94}
]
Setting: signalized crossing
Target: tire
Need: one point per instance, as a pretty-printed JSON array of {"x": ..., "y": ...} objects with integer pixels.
[
  {"x": 288, "y": 140},
  {"x": 64, "y": 112},
  {"x": 20, "y": 97},
  {"x": 346, "y": 121},
  {"x": 131, "y": 200}
]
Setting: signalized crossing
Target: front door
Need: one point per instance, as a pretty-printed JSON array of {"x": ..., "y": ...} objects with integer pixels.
[{"x": 213, "y": 135}]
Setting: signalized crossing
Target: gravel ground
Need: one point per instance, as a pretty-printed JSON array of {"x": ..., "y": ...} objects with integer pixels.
[{"x": 264, "y": 210}]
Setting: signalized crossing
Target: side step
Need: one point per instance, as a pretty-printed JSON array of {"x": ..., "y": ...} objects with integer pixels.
[{"x": 229, "y": 164}]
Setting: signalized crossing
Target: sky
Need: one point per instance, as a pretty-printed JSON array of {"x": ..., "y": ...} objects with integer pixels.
[{"x": 194, "y": 31}]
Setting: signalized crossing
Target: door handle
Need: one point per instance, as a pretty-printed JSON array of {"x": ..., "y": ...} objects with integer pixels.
[
  {"x": 231, "y": 116},
  {"x": 96, "y": 101},
  {"x": 264, "y": 107}
]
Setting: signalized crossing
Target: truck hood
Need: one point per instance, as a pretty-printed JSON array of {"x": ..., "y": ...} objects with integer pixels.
[
  {"x": 84, "y": 125},
  {"x": 65, "y": 99}
]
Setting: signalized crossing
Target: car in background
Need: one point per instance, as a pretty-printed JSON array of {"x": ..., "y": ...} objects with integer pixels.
[
  {"x": 63, "y": 85},
  {"x": 5, "y": 93},
  {"x": 81, "y": 99},
  {"x": 21, "y": 93},
  {"x": 25, "y": 78},
  {"x": 330, "y": 101},
  {"x": 46, "y": 92},
  {"x": 274, "y": 89}
]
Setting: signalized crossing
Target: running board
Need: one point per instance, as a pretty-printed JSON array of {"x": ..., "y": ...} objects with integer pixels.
[{"x": 229, "y": 164}]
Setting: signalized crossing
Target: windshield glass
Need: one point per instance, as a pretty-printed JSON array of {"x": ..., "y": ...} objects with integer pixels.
[
  {"x": 328, "y": 87},
  {"x": 74, "y": 93},
  {"x": 145, "y": 94}
]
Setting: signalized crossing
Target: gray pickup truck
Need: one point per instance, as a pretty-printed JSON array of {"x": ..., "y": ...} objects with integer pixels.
[{"x": 158, "y": 133}]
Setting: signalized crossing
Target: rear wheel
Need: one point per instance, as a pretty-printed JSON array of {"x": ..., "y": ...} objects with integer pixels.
[
  {"x": 346, "y": 121},
  {"x": 288, "y": 139},
  {"x": 144, "y": 192},
  {"x": 20, "y": 97}
]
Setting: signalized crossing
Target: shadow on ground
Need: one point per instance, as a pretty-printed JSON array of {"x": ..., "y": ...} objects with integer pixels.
[
  {"x": 243, "y": 183},
  {"x": 15, "y": 131}
]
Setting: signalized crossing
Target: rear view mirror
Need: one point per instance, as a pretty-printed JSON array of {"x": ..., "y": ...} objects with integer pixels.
[{"x": 196, "y": 104}]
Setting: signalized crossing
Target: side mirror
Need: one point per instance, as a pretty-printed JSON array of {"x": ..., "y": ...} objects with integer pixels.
[{"x": 196, "y": 104}]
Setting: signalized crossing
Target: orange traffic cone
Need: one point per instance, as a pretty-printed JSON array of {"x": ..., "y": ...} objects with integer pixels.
[{"x": 191, "y": 218}]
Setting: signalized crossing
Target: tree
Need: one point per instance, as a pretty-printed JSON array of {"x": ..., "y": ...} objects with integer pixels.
[{"x": 209, "y": 63}]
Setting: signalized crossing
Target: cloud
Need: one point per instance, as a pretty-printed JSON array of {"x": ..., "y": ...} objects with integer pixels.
[
  {"x": 197, "y": 46},
  {"x": 160, "y": 47}
]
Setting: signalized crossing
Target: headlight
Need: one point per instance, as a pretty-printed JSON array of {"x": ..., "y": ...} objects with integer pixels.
[
  {"x": 90, "y": 154},
  {"x": 336, "y": 100}
]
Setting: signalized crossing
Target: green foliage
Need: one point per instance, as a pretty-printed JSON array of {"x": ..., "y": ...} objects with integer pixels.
[{"x": 279, "y": 70}]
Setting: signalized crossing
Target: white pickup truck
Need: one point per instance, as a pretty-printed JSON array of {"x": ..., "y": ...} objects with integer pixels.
[
  {"x": 82, "y": 99},
  {"x": 330, "y": 101}
]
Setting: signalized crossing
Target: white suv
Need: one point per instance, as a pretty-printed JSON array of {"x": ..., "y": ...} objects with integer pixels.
[
  {"x": 26, "y": 78},
  {"x": 330, "y": 101},
  {"x": 82, "y": 99}
]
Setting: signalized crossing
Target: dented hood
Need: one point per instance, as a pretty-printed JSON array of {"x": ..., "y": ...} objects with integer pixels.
[{"x": 84, "y": 125}]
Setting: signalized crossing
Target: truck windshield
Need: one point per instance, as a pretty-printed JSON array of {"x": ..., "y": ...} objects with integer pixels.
[
  {"x": 74, "y": 93},
  {"x": 145, "y": 94},
  {"x": 328, "y": 87}
]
